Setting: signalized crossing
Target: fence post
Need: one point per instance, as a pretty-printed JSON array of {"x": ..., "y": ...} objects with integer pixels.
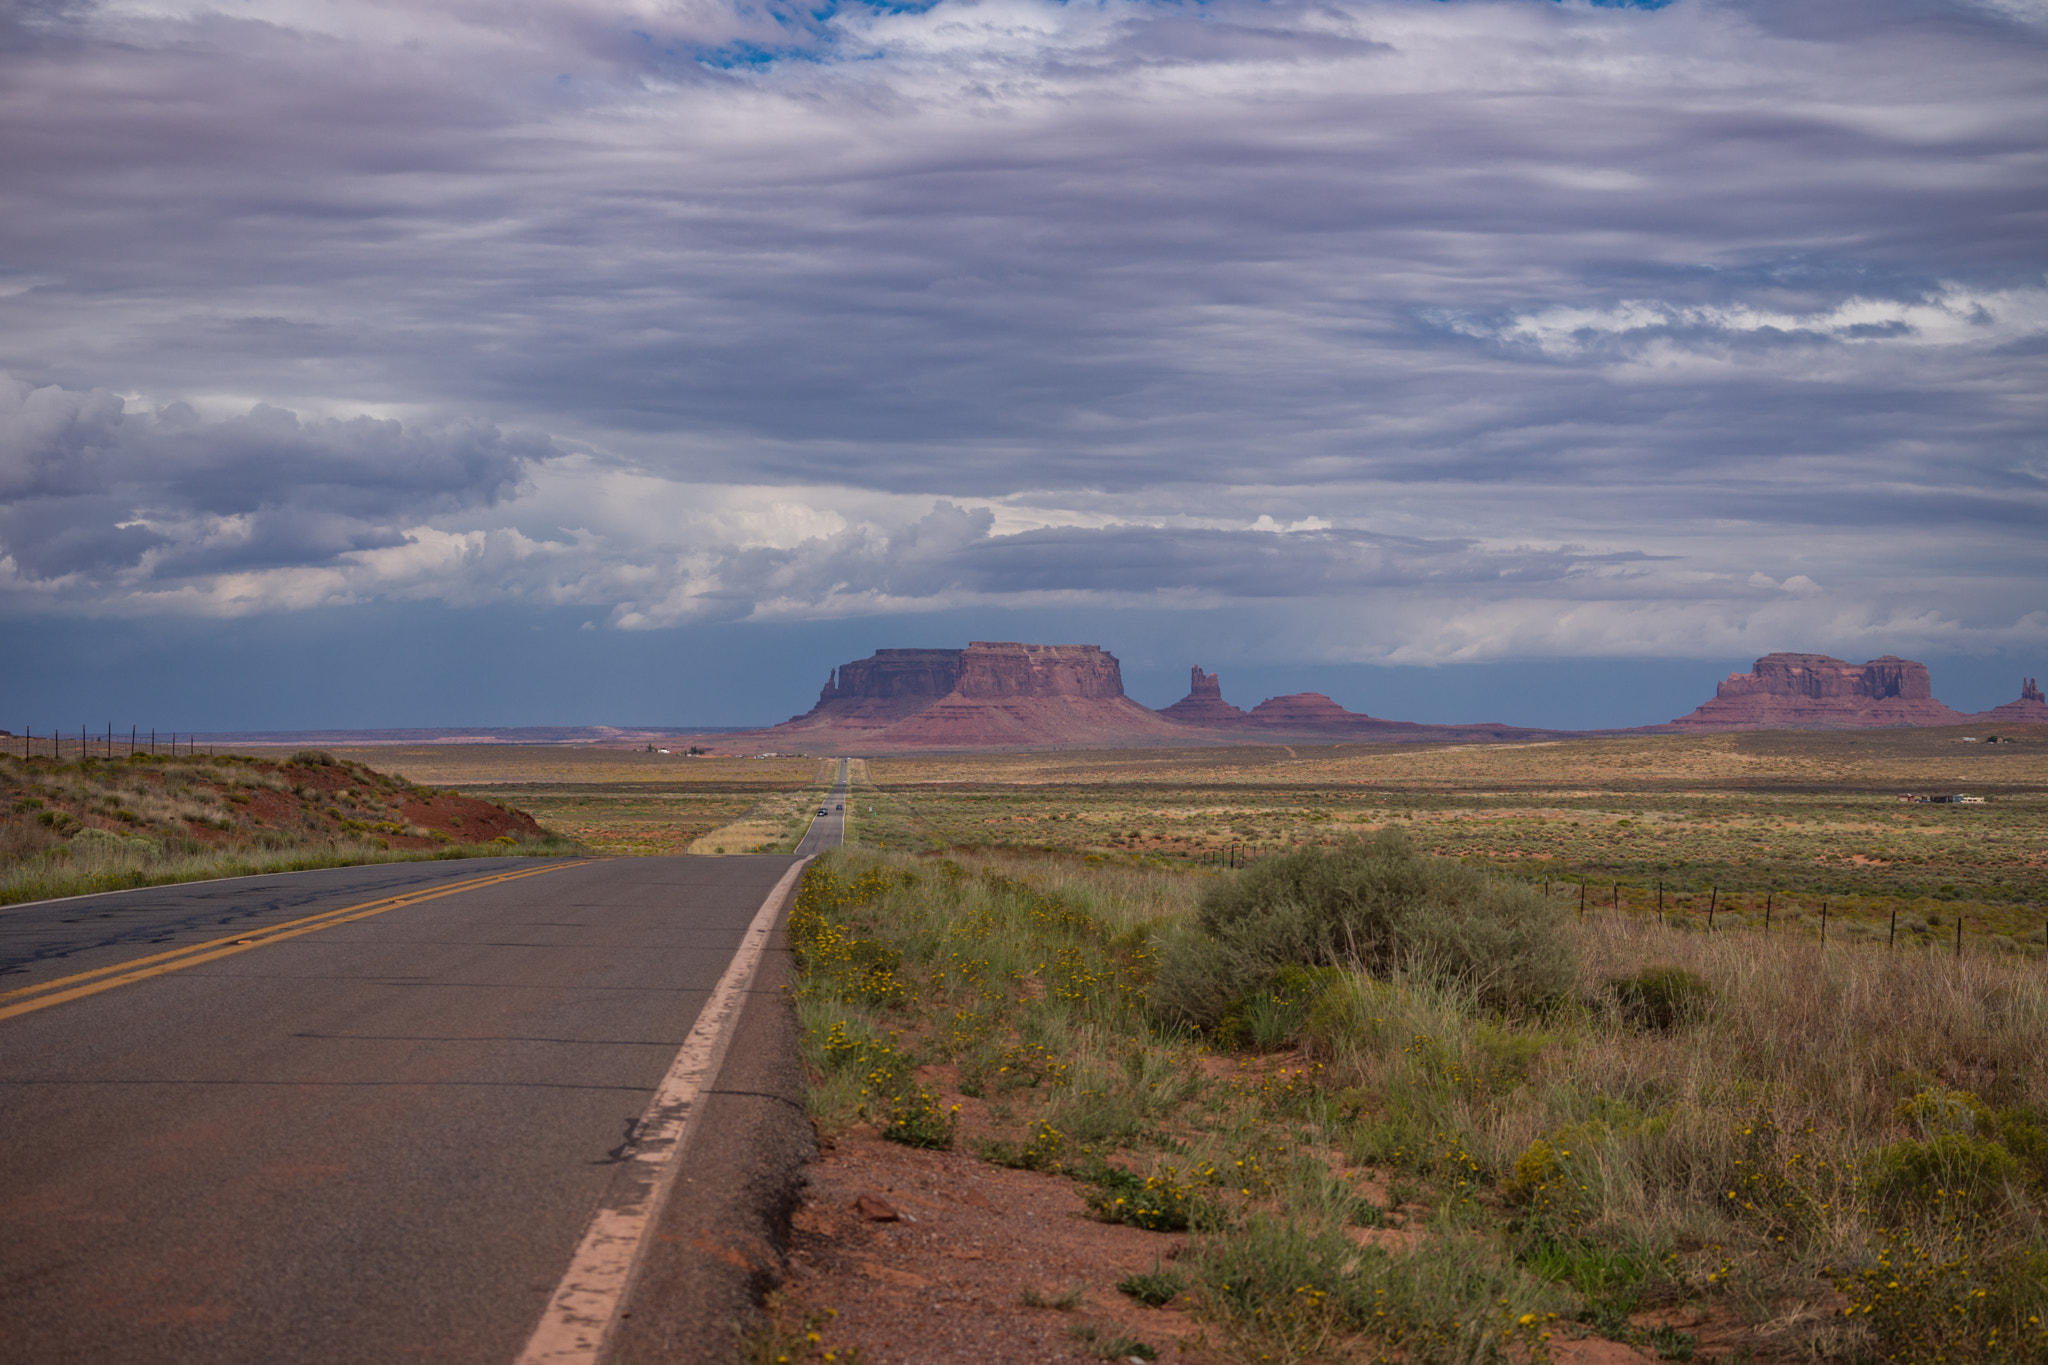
[
  {"x": 1582, "y": 895},
  {"x": 1959, "y": 937},
  {"x": 1891, "y": 938},
  {"x": 1767, "y": 913},
  {"x": 1823, "y": 921},
  {"x": 1713, "y": 902},
  {"x": 1617, "y": 898},
  {"x": 1660, "y": 900}
]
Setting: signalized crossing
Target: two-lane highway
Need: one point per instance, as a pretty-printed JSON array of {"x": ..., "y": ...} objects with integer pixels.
[
  {"x": 360, "y": 1114},
  {"x": 828, "y": 826}
]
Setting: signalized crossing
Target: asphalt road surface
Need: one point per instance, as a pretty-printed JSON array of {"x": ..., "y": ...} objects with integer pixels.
[
  {"x": 828, "y": 829},
  {"x": 357, "y": 1134}
]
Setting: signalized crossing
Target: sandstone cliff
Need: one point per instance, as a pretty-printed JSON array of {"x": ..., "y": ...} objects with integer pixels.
[
  {"x": 2030, "y": 709},
  {"x": 1018, "y": 694},
  {"x": 1819, "y": 692},
  {"x": 887, "y": 686},
  {"x": 1002, "y": 669}
]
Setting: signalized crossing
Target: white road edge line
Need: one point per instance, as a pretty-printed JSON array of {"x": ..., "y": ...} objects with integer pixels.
[{"x": 585, "y": 1307}]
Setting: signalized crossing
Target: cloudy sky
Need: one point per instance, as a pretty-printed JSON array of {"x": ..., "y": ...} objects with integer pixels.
[{"x": 571, "y": 361}]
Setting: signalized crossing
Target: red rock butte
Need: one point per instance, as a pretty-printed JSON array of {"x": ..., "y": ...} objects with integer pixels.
[
  {"x": 1819, "y": 692},
  {"x": 1204, "y": 704},
  {"x": 2030, "y": 709}
]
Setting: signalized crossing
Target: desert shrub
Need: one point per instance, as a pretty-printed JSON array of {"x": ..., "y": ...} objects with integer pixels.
[
  {"x": 22, "y": 839},
  {"x": 1278, "y": 1014},
  {"x": 1662, "y": 998},
  {"x": 1916, "y": 1173},
  {"x": 1377, "y": 907},
  {"x": 106, "y": 840},
  {"x": 313, "y": 758},
  {"x": 914, "y": 1117},
  {"x": 1293, "y": 1292},
  {"x": 1163, "y": 1201},
  {"x": 1936, "y": 1110},
  {"x": 1154, "y": 1290}
]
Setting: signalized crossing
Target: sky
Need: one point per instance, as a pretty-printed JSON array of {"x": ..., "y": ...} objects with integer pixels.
[{"x": 572, "y": 362}]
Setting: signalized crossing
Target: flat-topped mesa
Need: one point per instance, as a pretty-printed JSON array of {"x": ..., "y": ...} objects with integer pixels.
[
  {"x": 1310, "y": 710},
  {"x": 1003, "y": 669},
  {"x": 992, "y": 693},
  {"x": 1204, "y": 704},
  {"x": 2030, "y": 709},
  {"x": 1818, "y": 691}
]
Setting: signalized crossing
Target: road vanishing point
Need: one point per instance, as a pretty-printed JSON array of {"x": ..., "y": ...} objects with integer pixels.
[{"x": 509, "y": 1111}]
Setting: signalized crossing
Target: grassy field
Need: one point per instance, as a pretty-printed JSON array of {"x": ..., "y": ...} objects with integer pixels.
[
  {"x": 1784, "y": 821},
  {"x": 1506, "y": 1122},
  {"x": 1707, "y": 1146}
]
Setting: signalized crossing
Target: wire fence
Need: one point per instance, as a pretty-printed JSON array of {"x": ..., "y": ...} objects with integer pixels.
[{"x": 107, "y": 743}]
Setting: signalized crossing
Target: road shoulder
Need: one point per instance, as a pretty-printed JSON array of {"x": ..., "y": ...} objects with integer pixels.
[{"x": 721, "y": 1240}]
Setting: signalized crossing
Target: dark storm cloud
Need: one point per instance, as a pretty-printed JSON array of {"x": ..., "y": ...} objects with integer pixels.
[
  {"x": 89, "y": 488},
  {"x": 1727, "y": 280}
]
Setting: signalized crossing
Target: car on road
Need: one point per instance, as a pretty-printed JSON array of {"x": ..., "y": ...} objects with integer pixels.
[
  {"x": 823, "y": 811},
  {"x": 840, "y": 806}
]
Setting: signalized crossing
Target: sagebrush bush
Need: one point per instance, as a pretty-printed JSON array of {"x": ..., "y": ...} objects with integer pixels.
[
  {"x": 1375, "y": 906},
  {"x": 1911, "y": 1175},
  {"x": 1662, "y": 998}
]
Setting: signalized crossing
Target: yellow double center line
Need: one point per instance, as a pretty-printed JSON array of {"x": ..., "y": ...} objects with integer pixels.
[{"x": 30, "y": 998}]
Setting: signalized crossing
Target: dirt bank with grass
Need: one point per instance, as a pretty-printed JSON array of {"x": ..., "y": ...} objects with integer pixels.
[{"x": 78, "y": 826}]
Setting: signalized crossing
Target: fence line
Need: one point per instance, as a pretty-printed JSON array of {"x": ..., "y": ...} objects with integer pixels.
[{"x": 108, "y": 743}]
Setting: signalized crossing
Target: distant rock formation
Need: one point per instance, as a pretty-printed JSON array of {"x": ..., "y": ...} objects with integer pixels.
[
  {"x": 1004, "y": 694},
  {"x": 2030, "y": 709},
  {"x": 1819, "y": 692},
  {"x": 1307, "y": 711},
  {"x": 887, "y": 686},
  {"x": 1312, "y": 716},
  {"x": 991, "y": 694},
  {"x": 1204, "y": 704}
]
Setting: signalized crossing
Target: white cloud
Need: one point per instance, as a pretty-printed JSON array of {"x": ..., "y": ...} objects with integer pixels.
[{"x": 1954, "y": 317}]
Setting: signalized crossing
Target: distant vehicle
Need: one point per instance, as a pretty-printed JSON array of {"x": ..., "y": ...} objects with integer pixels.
[
  {"x": 840, "y": 806},
  {"x": 823, "y": 811}
]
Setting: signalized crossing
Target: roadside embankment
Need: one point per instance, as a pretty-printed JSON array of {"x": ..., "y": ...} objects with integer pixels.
[{"x": 79, "y": 826}]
